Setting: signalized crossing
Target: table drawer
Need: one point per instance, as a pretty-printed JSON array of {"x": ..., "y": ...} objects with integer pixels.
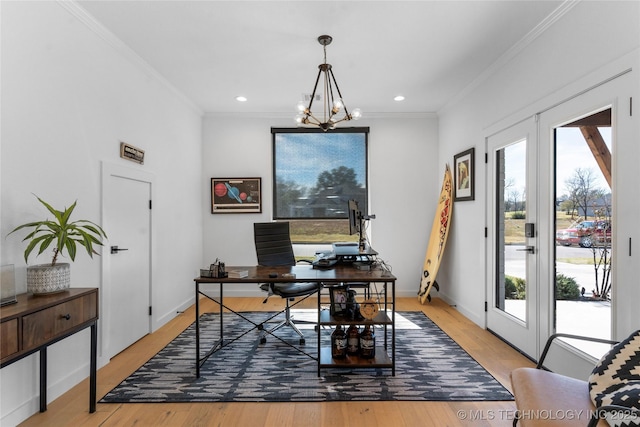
[
  {"x": 44, "y": 325},
  {"x": 10, "y": 337}
]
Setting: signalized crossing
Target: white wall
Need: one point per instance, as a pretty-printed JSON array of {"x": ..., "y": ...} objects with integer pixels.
[
  {"x": 590, "y": 36},
  {"x": 404, "y": 181},
  {"x": 68, "y": 99}
]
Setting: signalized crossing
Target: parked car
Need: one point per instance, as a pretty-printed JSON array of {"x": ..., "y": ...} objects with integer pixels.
[
  {"x": 567, "y": 237},
  {"x": 600, "y": 236},
  {"x": 585, "y": 234}
]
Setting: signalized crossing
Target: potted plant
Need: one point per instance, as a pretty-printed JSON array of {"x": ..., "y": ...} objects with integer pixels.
[{"x": 65, "y": 236}]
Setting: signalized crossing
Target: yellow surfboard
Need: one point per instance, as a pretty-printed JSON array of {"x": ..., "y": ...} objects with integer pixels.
[{"x": 438, "y": 238}]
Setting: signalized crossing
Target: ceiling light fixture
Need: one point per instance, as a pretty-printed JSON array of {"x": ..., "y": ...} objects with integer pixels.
[
  {"x": 398, "y": 98},
  {"x": 241, "y": 98},
  {"x": 331, "y": 105}
]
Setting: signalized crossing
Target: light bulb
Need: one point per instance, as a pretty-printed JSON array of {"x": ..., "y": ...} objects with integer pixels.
[
  {"x": 338, "y": 104},
  {"x": 301, "y": 107},
  {"x": 299, "y": 118},
  {"x": 356, "y": 113}
]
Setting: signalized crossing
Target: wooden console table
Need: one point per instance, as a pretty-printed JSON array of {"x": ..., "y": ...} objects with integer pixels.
[{"x": 36, "y": 322}]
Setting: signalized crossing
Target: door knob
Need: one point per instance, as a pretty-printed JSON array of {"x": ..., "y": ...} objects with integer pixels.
[{"x": 115, "y": 249}]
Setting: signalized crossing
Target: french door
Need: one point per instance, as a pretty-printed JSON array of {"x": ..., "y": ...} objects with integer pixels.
[
  {"x": 602, "y": 121},
  {"x": 527, "y": 179},
  {"x": 512, "y": 249}
]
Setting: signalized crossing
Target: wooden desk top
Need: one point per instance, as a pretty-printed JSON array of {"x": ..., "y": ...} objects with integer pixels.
[{"x": 304, "y": 273}]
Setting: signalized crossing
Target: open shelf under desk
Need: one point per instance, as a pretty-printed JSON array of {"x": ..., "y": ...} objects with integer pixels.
[
  {"x": 382, "y": 318},
  {"x": 381, "y": 360}
]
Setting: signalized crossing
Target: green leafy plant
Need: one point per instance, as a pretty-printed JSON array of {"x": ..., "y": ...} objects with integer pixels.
[
  {"x": 64, "y": 234},
  {"x": 515, "y": 287},
  {"x": 566, "y": 288}
]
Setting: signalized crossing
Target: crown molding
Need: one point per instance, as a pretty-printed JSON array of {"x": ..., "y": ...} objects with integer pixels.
[
  {"x": 124, "y": 50},
  {"x": 506, "y": 57},
  {"x": 289, "y": 116}
]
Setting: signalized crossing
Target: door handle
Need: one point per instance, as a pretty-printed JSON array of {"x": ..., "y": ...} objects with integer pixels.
[
  {"x": 529, "y": 249},
  {"x": 115, "y": 249}
]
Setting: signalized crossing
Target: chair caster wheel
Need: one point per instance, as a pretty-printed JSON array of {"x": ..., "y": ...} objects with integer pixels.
[
  {"x": 302, "y": 341},
  {"x": 263, "y": 340}
]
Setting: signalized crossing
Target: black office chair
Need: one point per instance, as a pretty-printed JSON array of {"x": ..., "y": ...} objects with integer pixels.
[{"x": 273, "y": 248}]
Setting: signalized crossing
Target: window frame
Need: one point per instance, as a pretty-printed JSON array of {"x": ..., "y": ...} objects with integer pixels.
[{"x": 363, "y": 203}]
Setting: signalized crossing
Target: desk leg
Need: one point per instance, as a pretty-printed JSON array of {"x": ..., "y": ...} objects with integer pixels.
[
  {"x": 197, "y": 330},
  {"x": 93, "y": 368},
  {"x": 43, "y": 379},
  {"x": 393, "y": 328},
  {"x": 319, "y": 330},
  {"x": 221, "y": 317}
]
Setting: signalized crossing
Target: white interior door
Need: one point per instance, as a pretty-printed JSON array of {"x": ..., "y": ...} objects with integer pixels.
[
  {"x": 128, "y": 215},
  {"x": 512, "y": 252}
]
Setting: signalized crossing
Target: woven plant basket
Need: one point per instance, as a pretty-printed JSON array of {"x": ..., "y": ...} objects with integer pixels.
[{"x": 48, "y": 279}]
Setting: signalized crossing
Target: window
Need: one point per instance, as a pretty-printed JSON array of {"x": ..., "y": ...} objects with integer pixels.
[{"x": 315, "y": 174}]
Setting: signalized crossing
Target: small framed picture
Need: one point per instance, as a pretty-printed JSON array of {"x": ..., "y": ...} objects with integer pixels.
[
  {"x": 339, "y": 296},
  {"x": 236, "y": 195},
  {"x": 463, "y": 177}
]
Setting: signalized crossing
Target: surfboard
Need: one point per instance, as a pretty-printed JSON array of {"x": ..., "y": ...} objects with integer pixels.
[{"x": 437, "y": 239}]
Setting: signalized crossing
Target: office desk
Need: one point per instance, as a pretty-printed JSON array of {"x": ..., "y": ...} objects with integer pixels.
[{"x": 303, "y": 273}]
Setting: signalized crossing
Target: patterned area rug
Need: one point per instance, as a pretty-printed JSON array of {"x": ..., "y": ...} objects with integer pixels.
[{"x": 430, "y": 366}]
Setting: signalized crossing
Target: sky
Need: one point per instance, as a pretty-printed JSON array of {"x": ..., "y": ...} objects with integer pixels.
[
  {"x": 572, "y": 153},
  {"x": 301, "y": 157}
]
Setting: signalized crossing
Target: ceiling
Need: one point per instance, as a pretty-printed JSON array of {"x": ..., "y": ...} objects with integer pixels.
[{"x": 267, "y": 51}]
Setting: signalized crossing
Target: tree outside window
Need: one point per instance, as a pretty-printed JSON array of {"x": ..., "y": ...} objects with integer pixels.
[{"x": 315, "y": 174}]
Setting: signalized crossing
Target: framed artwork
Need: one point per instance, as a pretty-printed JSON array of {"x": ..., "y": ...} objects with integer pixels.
[
  {"x": 339, "y": 296},
  {"x": 463, "y": 177},
  {"x": 236, "y": 195}
]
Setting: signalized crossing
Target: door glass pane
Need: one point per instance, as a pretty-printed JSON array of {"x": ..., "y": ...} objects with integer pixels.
[
  {"x": 511, "y": 268},
  {"x": 583, "y": 228}
]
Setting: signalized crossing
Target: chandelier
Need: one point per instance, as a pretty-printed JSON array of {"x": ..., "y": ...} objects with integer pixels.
[{"x": 331, "y": 105}]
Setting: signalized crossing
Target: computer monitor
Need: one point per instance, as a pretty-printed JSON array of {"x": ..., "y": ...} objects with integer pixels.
[
  {"x": 356, "y": 223},
  {"x": 354, "y": 218}
]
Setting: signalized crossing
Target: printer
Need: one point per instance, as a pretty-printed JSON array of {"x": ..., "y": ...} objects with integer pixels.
[{"x": 345, "y": 248}]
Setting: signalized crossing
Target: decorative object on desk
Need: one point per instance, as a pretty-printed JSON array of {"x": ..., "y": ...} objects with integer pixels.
[
  {"x": 343, "y": 303},
  {"x": 464, "y": 168},
  {"x": 236, "y": 195},
  {"x": 338, "y": 296},
  {"x": 437, "y": 239},
  {"x": 430, "y": 367},
  {"x": 8, "y": 285},
  {"x": 206, "y": 272},
  {"x": 369, "y": 309},
  {"x": 66, "y": 235},
  {"x": 331, "y": 105},
  {"x": 237, "y": 274},
  {"x": 217, "y": 269}
]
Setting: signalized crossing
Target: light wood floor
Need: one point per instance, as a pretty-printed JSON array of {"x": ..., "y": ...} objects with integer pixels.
[{"x": 71, "y": 409}]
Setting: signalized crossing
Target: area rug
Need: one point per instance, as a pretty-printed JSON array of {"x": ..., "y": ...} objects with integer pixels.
[{"x": 430, "y": 366}]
